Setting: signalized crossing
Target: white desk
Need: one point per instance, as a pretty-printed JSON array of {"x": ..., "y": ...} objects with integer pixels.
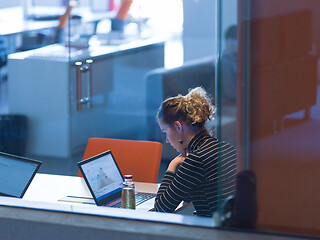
[
  {"x": 40, "y": 206},
  {"x": 50, "y": 188}
]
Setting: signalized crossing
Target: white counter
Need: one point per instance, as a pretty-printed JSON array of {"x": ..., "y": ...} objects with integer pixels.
[{"x": 44, "y": 86}]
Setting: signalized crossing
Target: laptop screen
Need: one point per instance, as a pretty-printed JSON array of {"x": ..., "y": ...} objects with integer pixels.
[
  {"x": 16, "y": 174},
  {"x": 102, "y": 175}
]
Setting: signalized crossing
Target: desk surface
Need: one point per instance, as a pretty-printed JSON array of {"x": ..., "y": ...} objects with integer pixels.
[
  {"x": 46, "y": 189},
  {"x": 62, "y": 53},
  {"x": 51, "y": 188}
]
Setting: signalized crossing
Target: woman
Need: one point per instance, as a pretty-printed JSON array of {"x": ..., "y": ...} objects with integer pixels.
[{"x": 204, "y": 161}]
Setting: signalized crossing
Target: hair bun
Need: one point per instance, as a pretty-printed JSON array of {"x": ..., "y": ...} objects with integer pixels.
[{"x": 195, "y": 108}]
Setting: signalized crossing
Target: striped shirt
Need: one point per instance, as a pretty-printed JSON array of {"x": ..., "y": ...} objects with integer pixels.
[{"x": 206, "y": 177}]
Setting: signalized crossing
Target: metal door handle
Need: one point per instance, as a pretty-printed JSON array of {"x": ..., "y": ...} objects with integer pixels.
[{"x": 84, "y": 69}]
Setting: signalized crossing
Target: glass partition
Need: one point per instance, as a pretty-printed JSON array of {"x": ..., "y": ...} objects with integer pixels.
[
  {"x": 226, "y": 76},
  {"x": 102, "y": 68},
  {"x": 279, "y": 116},
  {"x": 84, "y": 71},
  {"x": 112, "y": 91}
]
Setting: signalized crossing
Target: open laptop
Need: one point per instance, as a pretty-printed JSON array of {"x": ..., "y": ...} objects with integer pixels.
[
  {"x": 16, "y": 174},
  {"x": 104, "y": 180}
]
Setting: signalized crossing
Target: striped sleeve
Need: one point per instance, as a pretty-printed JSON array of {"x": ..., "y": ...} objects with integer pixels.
[{"x": 175, "y": 187}]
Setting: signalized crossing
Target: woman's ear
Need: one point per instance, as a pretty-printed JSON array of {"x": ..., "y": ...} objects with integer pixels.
[{"x": 178, "y": 126}]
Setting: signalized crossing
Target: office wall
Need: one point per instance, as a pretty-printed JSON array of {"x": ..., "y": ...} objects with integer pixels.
[
  {"x": 11, "y": 3},
  {"x": 199, "y": 29},
  {"x": 200, "y": 26}
]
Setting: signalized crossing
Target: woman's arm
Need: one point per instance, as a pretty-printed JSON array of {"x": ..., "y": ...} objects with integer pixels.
[
  {"x": 175, "y": 187},
  {"x": 175, "y": 163}
]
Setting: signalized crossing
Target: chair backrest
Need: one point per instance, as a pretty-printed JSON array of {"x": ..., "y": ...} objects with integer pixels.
[{"x": 139, "y": 158}]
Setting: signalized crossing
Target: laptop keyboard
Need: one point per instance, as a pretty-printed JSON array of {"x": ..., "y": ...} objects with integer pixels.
[
  {"x": 140, "y": 198},
  {"x": 117, "y": 205}
]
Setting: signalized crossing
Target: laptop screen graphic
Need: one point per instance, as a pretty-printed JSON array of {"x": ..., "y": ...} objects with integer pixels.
[{"x": 103, "y": 176}]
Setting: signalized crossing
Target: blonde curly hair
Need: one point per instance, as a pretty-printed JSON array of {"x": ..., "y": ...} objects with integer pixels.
[{"x": 194, "y": 109}]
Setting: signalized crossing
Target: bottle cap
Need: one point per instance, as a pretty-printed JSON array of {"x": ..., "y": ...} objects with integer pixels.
[{"x": 127, "y": 176}]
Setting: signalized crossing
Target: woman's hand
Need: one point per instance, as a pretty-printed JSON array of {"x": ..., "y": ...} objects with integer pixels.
[{"x": 175, "y": 163}]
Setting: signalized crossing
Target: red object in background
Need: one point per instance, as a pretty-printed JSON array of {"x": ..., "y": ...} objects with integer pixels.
[
  {"x": 124, "y": 9},
  {"x": 111, "y": 5}
]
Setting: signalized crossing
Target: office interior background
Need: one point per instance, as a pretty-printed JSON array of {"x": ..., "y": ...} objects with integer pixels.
[{"x": 257, "y": 58}]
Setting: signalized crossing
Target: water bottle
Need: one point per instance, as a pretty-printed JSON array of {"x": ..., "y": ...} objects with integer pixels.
[{"x": 128, "y": 198}]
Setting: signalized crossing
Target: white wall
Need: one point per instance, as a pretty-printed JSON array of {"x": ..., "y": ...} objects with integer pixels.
[
  {"x": 199, "y": 31},
  {"x": 200, "y": 23},
  {"x": 9, "y": 3}
]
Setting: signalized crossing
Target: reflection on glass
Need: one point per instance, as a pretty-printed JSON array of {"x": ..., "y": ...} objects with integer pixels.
[
  {"x": 90, "y": 83},
  {"x": 121, "y": 89},
  {"x": 229, "y": 66},
  {"x": 284, "y": 105},
  {"x": 228, "y": 84}
]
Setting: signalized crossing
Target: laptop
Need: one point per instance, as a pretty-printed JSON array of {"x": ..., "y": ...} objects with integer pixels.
[
  {"x": 104, "y": 180},
  {"x": 16, "y": 174}
]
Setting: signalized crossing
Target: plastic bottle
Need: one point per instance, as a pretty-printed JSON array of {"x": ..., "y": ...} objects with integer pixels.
[{"x": 128, "y": 199}]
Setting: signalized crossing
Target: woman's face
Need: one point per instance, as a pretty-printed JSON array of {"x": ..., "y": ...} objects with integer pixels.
[{"x": 172, "y": 135}]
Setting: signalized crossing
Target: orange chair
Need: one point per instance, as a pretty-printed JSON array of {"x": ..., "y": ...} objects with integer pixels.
[{"x": 139, "y": 158}]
